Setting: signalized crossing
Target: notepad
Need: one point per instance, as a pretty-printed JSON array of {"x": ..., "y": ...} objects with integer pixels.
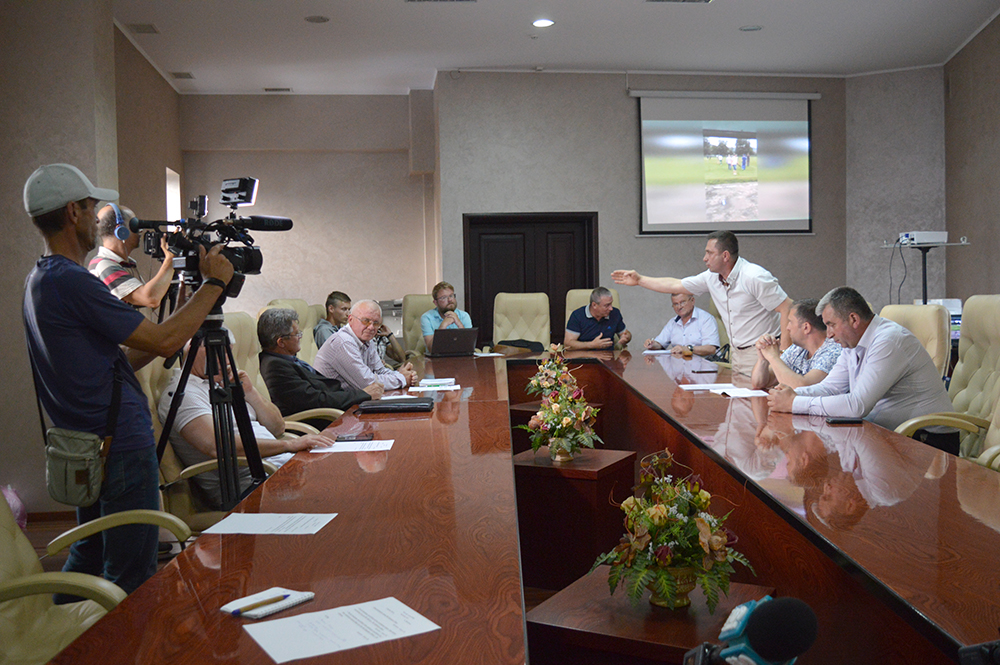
[{"x": 294, "y": 598}]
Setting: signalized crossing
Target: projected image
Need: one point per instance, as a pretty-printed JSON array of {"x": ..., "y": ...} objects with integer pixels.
[
  {"x": 730, "y": 176},
  {"x": 701, "y": 175}
]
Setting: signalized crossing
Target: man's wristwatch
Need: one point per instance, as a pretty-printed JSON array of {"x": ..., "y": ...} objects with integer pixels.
[
  {"x": 215, "y": 281},
  {"x": 691, "y": 348}
]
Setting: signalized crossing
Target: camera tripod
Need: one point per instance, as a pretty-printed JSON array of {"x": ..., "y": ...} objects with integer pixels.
[{"x": 228, "y": 401}]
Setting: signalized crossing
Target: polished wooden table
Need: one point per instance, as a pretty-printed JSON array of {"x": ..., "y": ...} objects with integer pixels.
[
  {"x": 431, "y": 522},
  {"x": 892, "y": 543}
]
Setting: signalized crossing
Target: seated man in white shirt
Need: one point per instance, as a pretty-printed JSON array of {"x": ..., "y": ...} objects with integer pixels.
[
  {"x": 193, "y": 432},
  {"x": 884, "y": 374},
  {"x": 692, "y": 331},
  {"x": 808, "y": 359},
  {"x": 352, "y": 357}
]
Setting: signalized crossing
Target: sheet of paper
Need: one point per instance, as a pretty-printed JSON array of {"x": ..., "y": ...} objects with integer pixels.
[
  {"x": 739, "y": 392},
  {"x": 385, "y": 397},
  {"x": 424, "y": 389},
  {"x": 284, "y": 524},
  {"x": 707, "y": 386},
  {"x": 488, "y": 355},
  {"x": 656, "y": 352},
  {"x": 329, "y": 631},
  {"x": 355, "y": 446},
  {"x": 437, "y": 382}
]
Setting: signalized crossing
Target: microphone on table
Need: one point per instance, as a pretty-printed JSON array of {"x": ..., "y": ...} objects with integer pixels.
[{"x": 761, "y": 632}]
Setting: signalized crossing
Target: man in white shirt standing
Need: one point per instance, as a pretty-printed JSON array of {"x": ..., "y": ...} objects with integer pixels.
[
  {"x": 884, "y": 374},
  {"x": 749, "y": 299},
  {"x": 692, "y": 331}
]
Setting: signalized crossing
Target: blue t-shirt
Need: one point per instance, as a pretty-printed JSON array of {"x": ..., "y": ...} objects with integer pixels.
[
  {"x": 74, "y": 326},
  {"x": 589, "y": 327},
  {"x": 431, "y": 319}
]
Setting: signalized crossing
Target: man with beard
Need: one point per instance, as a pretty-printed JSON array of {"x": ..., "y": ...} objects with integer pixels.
[
  {"x": 74, "y": 327},
  {"x": 353, "y": 358},
  {"x": 444, "y": 315}
]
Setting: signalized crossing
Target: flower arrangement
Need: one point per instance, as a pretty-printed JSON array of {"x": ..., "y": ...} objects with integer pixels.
[
  {"x": 564, "y": 421},
  {"x": 672, "y": 541}
]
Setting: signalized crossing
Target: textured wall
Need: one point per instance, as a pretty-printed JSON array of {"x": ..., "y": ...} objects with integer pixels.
[
  {"x": 339, "y": 167},
  {"x": 59, "y": 106},
  {"x": 570, "y": 142},
  {"x": 972, "y": 134},
  {"x": 895, "y": 182}
]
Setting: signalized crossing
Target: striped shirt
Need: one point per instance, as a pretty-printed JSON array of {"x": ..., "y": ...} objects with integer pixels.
[{"x": 118, "y": 274}]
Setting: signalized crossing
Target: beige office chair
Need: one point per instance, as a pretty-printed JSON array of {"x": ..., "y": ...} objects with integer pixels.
[
  {"x": 577, "y": 298},
  {"x": 723, "y": 335},
  {"x": 521, "y": 316},
  {"x": 931, "y": 324},
  {"x": 975, "y": 382},
  {"x": 309, "y": 316},
  {"x": 32, "y": 628},
  {"x": 414, "y": 305}
]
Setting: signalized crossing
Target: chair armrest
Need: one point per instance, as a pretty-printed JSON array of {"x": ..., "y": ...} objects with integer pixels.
[
  {"x": 990, "y": 457},
  {"x": 212, "y": 465},
  {"x": 309, "y": 414},
  {"x": 104, "y": 593},
  {"x": 960, "y": 421},
  {"x": 297, "y": 428},
  {"x": 158, "y": 518}
]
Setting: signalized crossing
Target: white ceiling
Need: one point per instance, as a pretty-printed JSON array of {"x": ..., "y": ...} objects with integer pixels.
[{"x": 393, "y": 46}]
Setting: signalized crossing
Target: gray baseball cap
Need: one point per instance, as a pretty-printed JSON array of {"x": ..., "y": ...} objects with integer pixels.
[{"x": 52, "y": 186}]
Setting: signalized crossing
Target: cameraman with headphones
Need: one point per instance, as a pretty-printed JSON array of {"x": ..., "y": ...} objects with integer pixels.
[{"x": 113, "y": 266}]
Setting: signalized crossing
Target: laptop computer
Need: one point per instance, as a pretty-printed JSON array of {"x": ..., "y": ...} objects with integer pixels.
[{"x": 454, "y": 342}]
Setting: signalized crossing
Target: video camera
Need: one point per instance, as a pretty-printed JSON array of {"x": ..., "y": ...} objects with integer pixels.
[{"x": 186, "y": 235}]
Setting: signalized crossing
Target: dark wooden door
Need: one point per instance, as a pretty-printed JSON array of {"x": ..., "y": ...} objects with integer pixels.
[{"x": 526, "y": 253}]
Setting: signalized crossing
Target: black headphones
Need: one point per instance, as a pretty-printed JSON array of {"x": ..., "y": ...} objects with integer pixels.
[{"x": 121, "y": 228}]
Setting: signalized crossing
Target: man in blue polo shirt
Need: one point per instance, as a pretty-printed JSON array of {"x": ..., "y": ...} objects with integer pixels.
[
  {"x": 444, "y": 315},
  {"x": 595, "y": 325}
]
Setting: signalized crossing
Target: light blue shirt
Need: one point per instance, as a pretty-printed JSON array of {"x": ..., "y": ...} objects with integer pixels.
[
  {"x": 700, "y": 329},
  {"x": 431, "y": 319}
]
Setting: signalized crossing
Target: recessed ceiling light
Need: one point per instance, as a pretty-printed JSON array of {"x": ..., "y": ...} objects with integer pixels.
[
  {"x": 543, "y": 23},
  {"x": 179, "y": 76},
  {"x": 317, "y": 19},
  {"x": 751, "y": 28}
]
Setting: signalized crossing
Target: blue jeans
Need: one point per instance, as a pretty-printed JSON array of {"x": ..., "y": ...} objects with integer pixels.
[{"x": 125, "y": 555}]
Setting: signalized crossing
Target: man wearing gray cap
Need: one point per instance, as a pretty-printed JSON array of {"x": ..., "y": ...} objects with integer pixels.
[{"x": 74, "y": 327}]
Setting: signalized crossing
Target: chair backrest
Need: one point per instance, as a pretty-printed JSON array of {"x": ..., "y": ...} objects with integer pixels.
[
  {"x": 32, "y": 629},
  {"x": 414, "y": 305},
  {"x": 723, "y": 335},
  {"x": 577, "y": 298},
  {"x": 931, "y": 324},
  {"x": 309, "y": 316},
  {"x": 975, "y": 381},
  {"x": 521, "y": 316}
]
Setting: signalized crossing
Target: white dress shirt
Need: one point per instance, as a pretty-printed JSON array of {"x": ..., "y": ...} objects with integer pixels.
[
  {"x": 887, "y": 379},
  {"x": 746, "y": 300},
  {"x": 355, "y": 363}
]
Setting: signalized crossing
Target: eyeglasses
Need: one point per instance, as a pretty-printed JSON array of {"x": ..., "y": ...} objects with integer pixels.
[
  {"x": 369, "y": 323},
  {"x": 445, "y": 298},
  {"x": 297, "y": 335}
]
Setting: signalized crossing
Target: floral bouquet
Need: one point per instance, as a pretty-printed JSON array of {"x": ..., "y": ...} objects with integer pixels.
[
  {"x": 564, "y": 422},
  {"x": 671, "y": 542}
]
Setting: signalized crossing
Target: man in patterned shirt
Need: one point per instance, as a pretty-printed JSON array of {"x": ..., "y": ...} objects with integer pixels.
[
  {"x": 809, "y": 358},
  {"x": 112, "y": 265}
]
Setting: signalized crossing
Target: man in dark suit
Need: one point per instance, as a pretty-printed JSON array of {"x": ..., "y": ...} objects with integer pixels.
[{"x": 293, "y": 383}]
